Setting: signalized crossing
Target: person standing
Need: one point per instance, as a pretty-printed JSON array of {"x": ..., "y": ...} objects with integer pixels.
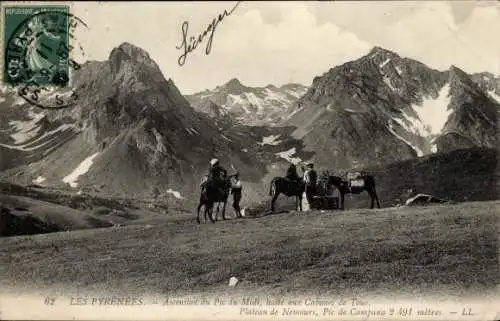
[
  {"x": 236, "y": 189},
  {"x": 310, "y": 179}
]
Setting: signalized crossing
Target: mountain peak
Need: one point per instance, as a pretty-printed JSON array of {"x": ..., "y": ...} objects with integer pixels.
[
  {"x": 127, "y": 56},
  {"x": 455, "y": 69},
  {"x": 459, "y": 78},
  {"x": 234, "y": 86},
  {"x": 233, "y": 83},
  {"x": 458, "y": 73},
  {"x": 128, "y": 51},
  {"x": 380, "y": 50}
]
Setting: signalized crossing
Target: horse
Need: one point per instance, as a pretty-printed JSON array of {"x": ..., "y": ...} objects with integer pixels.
[
  {"x": 281, "y": 185},
  {"x": 344, "y": 188},
  {"x": 209, "y": 196}
]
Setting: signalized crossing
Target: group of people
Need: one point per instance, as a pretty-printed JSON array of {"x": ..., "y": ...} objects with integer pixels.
[
  {"x": 309, "y": 178},
  {"x": 218, "y": 175}
]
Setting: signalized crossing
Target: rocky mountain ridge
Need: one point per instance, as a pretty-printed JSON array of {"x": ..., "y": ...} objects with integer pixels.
[
  {"x": 131, "y": 132},
  {"x": 248, "y": 105},
  {"x": 383, "y": 108}
]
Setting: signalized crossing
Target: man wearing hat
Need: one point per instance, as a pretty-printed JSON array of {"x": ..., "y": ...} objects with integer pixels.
[
  {"x": 217, "y": 173},
  {"x": 236, "y": 188},
  {"x": 310, "y": 178}
]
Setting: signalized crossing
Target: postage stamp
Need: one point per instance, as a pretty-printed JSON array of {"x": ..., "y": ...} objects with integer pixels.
[
  {"x": 36, "y": 44},
  {"x": 39, "y": 48},
  {"x": 299, "y": 160}
]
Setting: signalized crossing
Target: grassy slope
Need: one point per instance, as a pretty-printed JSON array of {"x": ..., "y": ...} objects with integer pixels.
[
  {"x": 30, "y": 216},
  {"x": 451, "y": 249},
  {"x": 65, "y": 210}
]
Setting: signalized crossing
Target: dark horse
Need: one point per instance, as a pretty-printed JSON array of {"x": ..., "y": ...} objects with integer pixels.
[
  {"x": 211, "y": 195},
  {"x": 281, "y": 185},
  {"x": 344, "y": 188}
]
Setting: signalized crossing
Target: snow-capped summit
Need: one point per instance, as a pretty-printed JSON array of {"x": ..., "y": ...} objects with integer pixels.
[{"x": 250, "y": 105}]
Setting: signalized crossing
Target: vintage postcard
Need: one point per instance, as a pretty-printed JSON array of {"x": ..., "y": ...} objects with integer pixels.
[{"x": 330, "y": 160}]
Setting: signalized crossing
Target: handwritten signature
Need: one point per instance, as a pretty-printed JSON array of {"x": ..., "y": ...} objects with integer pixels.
[{"x": 189, "y": 46}]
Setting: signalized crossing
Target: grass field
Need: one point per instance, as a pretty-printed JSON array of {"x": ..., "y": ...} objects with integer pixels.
[{"x": 451, "y": 250}]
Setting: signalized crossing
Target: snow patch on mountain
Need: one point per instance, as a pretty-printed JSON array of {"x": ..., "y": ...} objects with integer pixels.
[
  {"x": 26, "y": 130},
  {"x": 293, "y": 113},
  {"x": 299, "y": 92},
  {"x": 233, "y": 100},
  {"x": 270, "y": 140},
  {"x": 385, "y": 62},
  {"x": 287, "y": 155},
  {"x": 414, "y": 125},
  {"x": 419, "y": 152},
  {"x": 433, "y": 147},
  {"x": 387, "y": 81},
  {"x": 39, "y": 180},
  {"x": 386, "y": 77},
  {"x": 432, "y": 115},
  {"x": 176, "y": 194},
  {"x": 434, "y": 112},
  {"x": 273, "y": 96},
  {"x": 80, "y": 170},
  {"x": 493, "y": 94},
  {"x": 255, "y": 102},
  {"x": 32, "y": 145}
]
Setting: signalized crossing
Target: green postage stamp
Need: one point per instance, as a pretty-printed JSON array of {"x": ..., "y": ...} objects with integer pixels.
[{"x": 36, "y": 44}]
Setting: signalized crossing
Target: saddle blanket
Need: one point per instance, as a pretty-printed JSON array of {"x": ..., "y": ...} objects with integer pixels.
[
  {"x": 357, "y": 183},
  {"x": 353, "y": 176}
]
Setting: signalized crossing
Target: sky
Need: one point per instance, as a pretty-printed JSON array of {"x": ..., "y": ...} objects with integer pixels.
[{"x": 263, "y": 43}]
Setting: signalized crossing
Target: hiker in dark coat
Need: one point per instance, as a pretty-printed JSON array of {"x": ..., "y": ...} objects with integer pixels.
[
  {"x": 310, "y": 179},
  {"x": 236, "y": 189},
  {"x": 291, "y": 173},
  {"x": 215, "y": 177},
  {"x": 217, "y": 173}
]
